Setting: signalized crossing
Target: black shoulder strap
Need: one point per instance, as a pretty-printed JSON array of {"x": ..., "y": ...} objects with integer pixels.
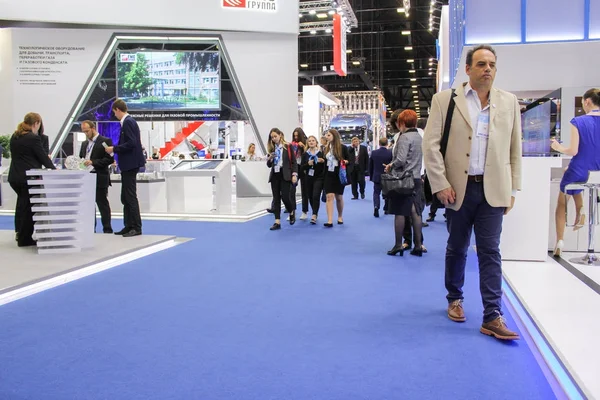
[{"x": 447, "y": 124}]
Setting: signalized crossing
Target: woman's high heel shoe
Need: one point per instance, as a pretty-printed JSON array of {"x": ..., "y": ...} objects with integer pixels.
[
  {"x": 396, "y": 250},
  {"x": 417, "y": 252},
  {"x": 558, "y": 248}
]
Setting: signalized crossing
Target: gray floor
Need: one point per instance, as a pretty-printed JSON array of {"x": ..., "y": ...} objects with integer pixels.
[{"x": 21, "y": 266}]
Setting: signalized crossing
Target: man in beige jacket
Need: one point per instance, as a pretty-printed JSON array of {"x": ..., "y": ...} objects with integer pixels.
[{"x": 476, "y": 179}]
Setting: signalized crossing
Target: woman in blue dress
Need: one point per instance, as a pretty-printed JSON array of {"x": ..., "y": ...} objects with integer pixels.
[{"x": 585, "y": 150}]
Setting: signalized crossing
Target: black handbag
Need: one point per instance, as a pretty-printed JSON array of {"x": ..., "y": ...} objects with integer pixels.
[{"x": 400, "y": 183}]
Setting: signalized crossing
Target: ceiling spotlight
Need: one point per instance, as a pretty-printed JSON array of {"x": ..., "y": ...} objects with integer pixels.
[
  {"x": 327, "y": 30},
  {"x": 410, "y": 60},
  {"x": 415, "y": 92},
  {"x": 413, "y": 79},
  {"x": 401, "y": 10},
  {"x": 414, "y": 86},
  {"x": 313, "y": 32},
  {"x": 431, "y": 60},
  {"x": 408, "y": 48},
  {"x": 406, "y": 33},
  {"x": 348, "y": 51},
  {"x": 412, "y": 71},
  {"x": 321, "y": 15},
  {"x": 355, "y": 62},
  {"x": 300, "y": 15},
  {"x": 324, "y": 68},
  {"x": 312, "y": 12},
  {"x": 430, "y": 64},
  {"x": 304, "y": 65},
  {"x": 431, "y": 73},
  {"x": 331, "y": 12}
]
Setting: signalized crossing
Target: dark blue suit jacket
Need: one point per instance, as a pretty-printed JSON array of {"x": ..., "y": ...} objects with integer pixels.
[
  {"x": 129, "y": 148},
  {"x": 379, "y": 157}
]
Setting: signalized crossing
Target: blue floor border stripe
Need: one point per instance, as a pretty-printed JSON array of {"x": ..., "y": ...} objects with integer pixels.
[{"x": 559, "y": 378}]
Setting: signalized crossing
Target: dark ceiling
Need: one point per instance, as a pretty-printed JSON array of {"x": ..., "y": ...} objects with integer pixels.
[{"x": 381, "y": 48}]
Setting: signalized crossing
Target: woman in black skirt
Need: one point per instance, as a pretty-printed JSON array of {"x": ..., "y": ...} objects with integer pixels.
[
  {"x": 407, "y": 156},
  {"x": 336, "y": 155},
  {"x": 284, "y": 173},
  {"x": 313, "y": 167}
]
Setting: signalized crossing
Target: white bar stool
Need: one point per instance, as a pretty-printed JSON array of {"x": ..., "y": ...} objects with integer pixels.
[{"x": 592, "y": 185}]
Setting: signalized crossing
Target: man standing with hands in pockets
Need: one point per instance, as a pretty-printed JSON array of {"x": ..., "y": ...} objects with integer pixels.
[
  {"x": 130, "y": 160},
  {"x": 473, "y": 161}
]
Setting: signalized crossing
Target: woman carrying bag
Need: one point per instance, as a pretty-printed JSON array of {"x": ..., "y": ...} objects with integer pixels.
[
  {"x": 407, "y": 159},
  {"x": 336, "y": 158},
  {"x": 284, "y": 173}
]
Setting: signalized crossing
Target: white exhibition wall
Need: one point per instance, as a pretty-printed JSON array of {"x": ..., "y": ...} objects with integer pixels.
[
  {"x": 6, "y": 95},
  {"x": 543, "y": 66},
  {"x": 546, "y": 67},
  {"x": 180, "y": 14},
  {"x": 268, "y": 81}
]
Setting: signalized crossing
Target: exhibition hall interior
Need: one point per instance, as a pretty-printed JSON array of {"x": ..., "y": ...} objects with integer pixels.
[{"x": 199, "y": 201}]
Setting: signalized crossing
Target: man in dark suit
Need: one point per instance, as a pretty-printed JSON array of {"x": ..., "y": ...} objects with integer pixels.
[
  {"x": 95, "y": 155},
  {"x": 379, "y": 157},
  {"x": 130, "y": 159},
  {"x": 358, "y": 162}
]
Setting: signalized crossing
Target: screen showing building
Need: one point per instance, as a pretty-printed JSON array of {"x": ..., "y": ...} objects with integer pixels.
[{"x": 162, "y": 80}]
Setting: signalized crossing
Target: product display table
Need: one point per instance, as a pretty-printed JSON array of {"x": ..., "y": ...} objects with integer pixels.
[
  {"x": 525, "y": 228},
  {"x": 63, "y": 203}
]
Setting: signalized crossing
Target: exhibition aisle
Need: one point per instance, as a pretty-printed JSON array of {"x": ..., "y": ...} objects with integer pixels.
[{"x": 244, "y": 313}]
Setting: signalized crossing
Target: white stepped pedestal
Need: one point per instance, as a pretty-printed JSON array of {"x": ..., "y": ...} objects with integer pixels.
[{"x": 63, "y": 203}]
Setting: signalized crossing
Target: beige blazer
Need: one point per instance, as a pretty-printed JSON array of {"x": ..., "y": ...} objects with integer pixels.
[{"x": 503, "y": 163}]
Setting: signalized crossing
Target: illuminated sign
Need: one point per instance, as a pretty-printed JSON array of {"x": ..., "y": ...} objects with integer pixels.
[
  {"x": 255, "y": 5},
  {"x": 339, "y": 46}
]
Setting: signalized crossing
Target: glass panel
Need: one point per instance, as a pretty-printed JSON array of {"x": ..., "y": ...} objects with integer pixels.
[
  {"x": 505, "y": 27},
  {"x": 555, "y": 20},
  {"x": 594, "y": 19}
]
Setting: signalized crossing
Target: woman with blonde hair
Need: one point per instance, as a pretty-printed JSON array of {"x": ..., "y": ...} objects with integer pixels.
[
  {"x": 336, "y": 157},
  {"x": 313, "y": 167},
  {"x": 27, "y": 153},
  {"x": 284, "y": 173},
  {"x": 251, "y": 153}
]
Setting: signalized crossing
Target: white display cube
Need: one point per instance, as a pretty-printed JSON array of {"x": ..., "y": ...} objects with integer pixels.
[{"x": 63, "y": 203}]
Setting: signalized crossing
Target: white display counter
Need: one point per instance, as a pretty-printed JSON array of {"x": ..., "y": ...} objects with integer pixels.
[
  {"x": 525, "y": 229},
  {"x": 151, "y": 193},
  {"x": 63, "y": 206},
  {"x": 199, "y": 186},
  {"x": 252, "y": 179}
]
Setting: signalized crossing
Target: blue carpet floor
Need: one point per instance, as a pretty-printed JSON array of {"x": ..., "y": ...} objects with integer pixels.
[{"x": 245, "y": 313}]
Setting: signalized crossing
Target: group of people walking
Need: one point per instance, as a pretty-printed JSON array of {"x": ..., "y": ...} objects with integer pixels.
[
  {"x": 472, "y": 163},
  {"x": 319, "y": 166}
]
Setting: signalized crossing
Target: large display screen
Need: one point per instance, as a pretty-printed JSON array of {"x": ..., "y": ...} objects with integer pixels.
[
  {"x": 538, "y": 123},
  {"x": 169, "y": 81}
]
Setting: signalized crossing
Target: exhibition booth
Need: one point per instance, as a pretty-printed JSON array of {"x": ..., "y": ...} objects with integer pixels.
[
  {"x": 196, "y": 89},
  {"x": 197, "y": 93},
  {"x": 546, "y": 52}
]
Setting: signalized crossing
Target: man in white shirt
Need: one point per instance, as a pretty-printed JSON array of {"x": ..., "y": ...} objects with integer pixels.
[
  {"x": 92, "y": 150},
  {"x": 476, "y": 177}
]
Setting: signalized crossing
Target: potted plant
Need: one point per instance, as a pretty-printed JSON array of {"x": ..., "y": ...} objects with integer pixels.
[{"x": 5, "y": 143}]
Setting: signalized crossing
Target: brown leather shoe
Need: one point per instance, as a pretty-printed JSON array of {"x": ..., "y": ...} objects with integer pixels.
[
  {"x": 499, "y": 330},
  {"x": 456, "y": 312}
]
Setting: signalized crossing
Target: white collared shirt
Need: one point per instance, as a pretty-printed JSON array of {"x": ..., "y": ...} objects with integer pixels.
[
  {"x": 480, "y": 122},
  {"x": 123, "y": 119},
  {"x": 90, "y": 146}
]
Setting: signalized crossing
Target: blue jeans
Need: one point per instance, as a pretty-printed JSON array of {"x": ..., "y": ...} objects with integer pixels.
[{"x": 476, "y": 214}]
